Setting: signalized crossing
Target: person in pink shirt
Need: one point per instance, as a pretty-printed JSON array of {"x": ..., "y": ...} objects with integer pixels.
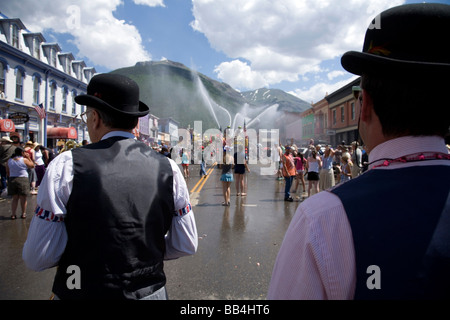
[
  {"x": 384, "y": 235},
  {"x": 300, "y": 165}
]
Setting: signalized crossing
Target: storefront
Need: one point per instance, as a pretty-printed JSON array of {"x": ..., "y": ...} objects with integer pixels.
[
  {"x": 57, "y": 136},
  {"x": 25, "y": 125},
  {"x": 344, "y": 136}
]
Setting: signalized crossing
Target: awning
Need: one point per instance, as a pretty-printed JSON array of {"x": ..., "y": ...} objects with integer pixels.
[
  {"x": 62, "y": 133},
  {"x": 7, "y": 125}
]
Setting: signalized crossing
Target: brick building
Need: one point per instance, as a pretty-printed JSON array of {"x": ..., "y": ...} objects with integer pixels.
[
  {"x": 343, "y": 114},
  {"x": 321, "y": 116}
]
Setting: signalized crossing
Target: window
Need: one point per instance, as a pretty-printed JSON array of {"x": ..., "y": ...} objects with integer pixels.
[
  {"x": 52, "y": 95},
  {"x": 36, "y": 48},
  {"x": 19, "y": 83},
  {"x": 334, "y": 117},
  {"x": 2, "y": 77},
  {"x": 53, "y": 57},
  {"x": 353, "y": 111},
  {"x": 74, "y": 104},
  {"x": 77, "y": 70},
  {"x": 64, "y": 100},
  {"x": 36, "y": 86},
  {"x": 342, "y": 114},
  {"x": 15, "y": 36},
  {"x": 67, "y": 66}
]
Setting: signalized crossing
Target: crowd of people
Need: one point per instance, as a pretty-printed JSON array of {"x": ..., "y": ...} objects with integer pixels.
[
  {"x": 22, "y": 168},
  {"x": 306, "y": 171},
  {"x": 323, "y": 167}
]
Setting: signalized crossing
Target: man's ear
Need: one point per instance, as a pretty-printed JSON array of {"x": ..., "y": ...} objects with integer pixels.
[{"x": 96, "y": 120}]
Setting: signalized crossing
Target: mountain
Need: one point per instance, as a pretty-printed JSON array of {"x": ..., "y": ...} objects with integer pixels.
[
  {"x": 173, "y": 90},
  {"x": 287, "y": 102}
]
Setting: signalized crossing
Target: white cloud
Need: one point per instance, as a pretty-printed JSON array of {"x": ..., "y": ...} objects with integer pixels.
[
  {"x": 318, "y": 91},
  {"x": 284, "y": 39},
  {"x": 100, "y": 37},
  {"x": 150, "y": 3},
  {"x": 240, "y": 75},
  {"x": 334, "y": 74}
]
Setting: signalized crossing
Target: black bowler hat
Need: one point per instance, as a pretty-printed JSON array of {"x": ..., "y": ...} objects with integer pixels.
[
  {"x": 410, "y": 38},
  {"x": 113, "y": 93}
]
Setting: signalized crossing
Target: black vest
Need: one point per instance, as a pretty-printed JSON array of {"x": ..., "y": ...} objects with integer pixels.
[
  {"x": 120, "y": 208},
  {"x": 399, "y": 224}
]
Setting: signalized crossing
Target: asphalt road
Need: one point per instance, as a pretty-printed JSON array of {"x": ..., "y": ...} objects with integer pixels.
[{"x": 237, "y": 244}]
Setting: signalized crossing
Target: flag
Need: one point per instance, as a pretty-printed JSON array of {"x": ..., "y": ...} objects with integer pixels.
[
  {"x": 40, "y": 111},
  {"x": 72, "y": 120}
]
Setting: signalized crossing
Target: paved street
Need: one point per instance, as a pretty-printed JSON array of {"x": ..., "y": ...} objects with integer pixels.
[{"x": 237, "y": 244}]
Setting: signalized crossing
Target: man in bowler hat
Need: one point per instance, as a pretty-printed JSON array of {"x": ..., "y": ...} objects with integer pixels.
[
  {"x": 109, "y": 213},
  {"x": 384, "y": 234}
]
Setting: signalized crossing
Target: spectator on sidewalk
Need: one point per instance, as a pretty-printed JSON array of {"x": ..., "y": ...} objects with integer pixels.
[{"x": 6, "y": 151}]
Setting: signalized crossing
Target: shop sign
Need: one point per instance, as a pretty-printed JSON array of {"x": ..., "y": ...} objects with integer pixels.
[
  {"x": 6, "y": 125},
  {"x": 19, "y": 117}
]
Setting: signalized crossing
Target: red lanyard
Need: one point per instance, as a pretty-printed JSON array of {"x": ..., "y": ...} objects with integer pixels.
[{"x": 420, "y": 157}]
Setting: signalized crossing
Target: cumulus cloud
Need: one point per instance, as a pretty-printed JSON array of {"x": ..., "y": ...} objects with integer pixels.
[
  {"x": 318, "y": 91},
  {"x": 100, "y": 37},
  {"x": 240, "y": 74},
  {"x": 150, "y": 3},
  {"x": 334, "y": 74},
  {"x": 283, "y": 39}
]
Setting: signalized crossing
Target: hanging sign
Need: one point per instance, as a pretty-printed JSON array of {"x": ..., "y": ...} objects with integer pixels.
[{"x": 19, "y": 117}]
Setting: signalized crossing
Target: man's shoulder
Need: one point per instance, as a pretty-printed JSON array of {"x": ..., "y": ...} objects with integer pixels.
[{"x": 321, "y": 206}]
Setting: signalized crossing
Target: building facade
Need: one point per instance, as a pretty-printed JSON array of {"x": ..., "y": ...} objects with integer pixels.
[
  {"x": 307, "y": 126},
  {"x": 170, "y": 126},
  {"x": 343, "y": 115},
  {"x": 35, "y": 73},
  {"x": 320, "y": 110},
  {"x": 148, "y": 130}
]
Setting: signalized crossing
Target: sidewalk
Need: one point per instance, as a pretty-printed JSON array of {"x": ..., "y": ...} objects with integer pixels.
[{"x": 16, "y": 280}]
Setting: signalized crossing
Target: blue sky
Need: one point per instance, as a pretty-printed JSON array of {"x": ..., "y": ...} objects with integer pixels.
[{"x": 293, "y": 45}]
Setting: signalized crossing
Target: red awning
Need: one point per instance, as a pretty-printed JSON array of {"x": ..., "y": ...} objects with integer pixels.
[
  {"x": 7, "y": 125},
  {"x": 62, "y": 133}
]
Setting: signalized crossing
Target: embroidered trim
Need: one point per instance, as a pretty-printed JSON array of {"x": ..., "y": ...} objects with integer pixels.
[
  {"x": 184, "y": 210},
  {"x": 421, "y": 157},
  {"x": 47, "y": 215}
]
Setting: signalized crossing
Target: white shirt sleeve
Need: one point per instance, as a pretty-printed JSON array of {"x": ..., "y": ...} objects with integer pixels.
[
  {"x": 47, "y": 236},
  {"x": 182, "y": 239}
]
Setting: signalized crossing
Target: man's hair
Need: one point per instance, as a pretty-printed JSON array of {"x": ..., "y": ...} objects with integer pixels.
[
  {"x": 413, "y": 104},
  {"x": 117, "y": 121}
]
